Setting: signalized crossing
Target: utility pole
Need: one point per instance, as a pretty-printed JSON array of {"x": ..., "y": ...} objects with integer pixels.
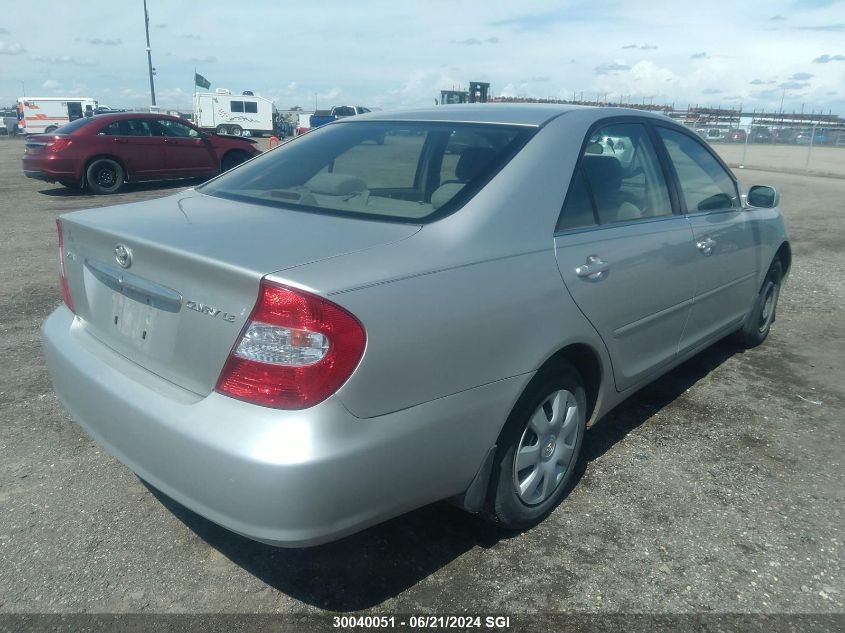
[{"x": 149, "y": 54}]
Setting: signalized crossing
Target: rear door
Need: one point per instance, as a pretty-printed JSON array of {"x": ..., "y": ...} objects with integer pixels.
[
  {"x": 132, "y": 141},
  {"x": 726, "y": 272},
  {"x": 625, "y": 255},
  {"x": 188, "y": 153}
]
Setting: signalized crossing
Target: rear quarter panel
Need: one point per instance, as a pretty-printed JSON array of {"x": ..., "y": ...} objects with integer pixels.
[{"x": 440, "y": 333}]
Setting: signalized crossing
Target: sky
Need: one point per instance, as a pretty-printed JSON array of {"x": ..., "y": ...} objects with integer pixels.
[{"x": 395, "y": 53}]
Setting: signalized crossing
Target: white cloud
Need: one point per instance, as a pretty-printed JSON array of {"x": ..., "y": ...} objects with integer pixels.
[
  {"x": 405, "y": 58},
  {"x": 11, "y": 48},
  {"x": 51, "y": 84}
]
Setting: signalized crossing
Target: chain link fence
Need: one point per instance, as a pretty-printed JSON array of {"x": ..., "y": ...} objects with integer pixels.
[{"x": 795, "y": 146}]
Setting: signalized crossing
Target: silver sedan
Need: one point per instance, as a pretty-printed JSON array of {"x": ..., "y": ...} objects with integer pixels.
[{"x": 405, "y": 307}]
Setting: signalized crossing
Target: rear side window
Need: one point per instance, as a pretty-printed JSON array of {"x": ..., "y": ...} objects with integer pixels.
[
  {"x": 377, "y": 169},
  {"x": 237, "y": 106},
  {"x": 619, "y": 179},
  {"x": 116, "y": 128},
  {"x": 705, "y": 184},
  {"x": 578, "y": 210}
]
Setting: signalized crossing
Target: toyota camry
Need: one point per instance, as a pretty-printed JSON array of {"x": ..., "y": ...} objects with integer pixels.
[{"x": 400, "y": 308}]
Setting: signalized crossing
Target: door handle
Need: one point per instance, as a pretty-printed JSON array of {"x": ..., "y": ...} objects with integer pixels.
[
  {"x": 170, "y": 141},
  {"x": 706, "y": 246},
  {"x": 594, "y": 269},
  {"x": 122, "y": 141}
]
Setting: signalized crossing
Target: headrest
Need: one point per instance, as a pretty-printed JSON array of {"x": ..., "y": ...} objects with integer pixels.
[
  {"x": 473, "y": 161},
  {"x": 603, "y": 172},
  {"x": 335, "y": 184}
]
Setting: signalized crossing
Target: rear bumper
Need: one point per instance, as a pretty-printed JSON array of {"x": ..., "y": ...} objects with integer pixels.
[
  {"x": 287, "y": 478},
  {"x": 51, "y": 170}
]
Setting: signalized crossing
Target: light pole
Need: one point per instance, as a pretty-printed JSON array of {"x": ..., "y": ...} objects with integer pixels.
[{"x": 149, "y": 54}]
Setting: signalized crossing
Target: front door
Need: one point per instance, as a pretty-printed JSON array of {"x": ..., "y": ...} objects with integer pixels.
[
  {"x": 626, "y": 258},
  {"x": 188, "y": 153},
  {"x": 726, "y": 275}
]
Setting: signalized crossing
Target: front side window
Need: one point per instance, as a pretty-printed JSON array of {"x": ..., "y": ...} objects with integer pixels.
[
  {"x": 250, "y": 107},
  {"x": 705, "y": 184},
  {"x": 174, "y": 128},
  {"x": 618, "y": 179},
  {"x": 382, "y": 169}
]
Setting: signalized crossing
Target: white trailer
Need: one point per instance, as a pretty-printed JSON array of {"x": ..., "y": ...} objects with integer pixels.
[
  {"x": 225, "y": 113},
  {"x": 37, "y": 115}
]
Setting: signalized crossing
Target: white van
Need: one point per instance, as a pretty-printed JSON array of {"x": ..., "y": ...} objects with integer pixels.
[
  {"x": 225, "y": 113},
  {"x": 38, "y": 115}
]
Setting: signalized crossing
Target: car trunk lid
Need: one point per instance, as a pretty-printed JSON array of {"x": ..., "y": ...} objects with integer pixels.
[{"x": 170, "y": 283}]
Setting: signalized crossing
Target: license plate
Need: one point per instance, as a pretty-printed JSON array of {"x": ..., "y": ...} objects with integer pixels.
[{"x": 132, "y": 319}]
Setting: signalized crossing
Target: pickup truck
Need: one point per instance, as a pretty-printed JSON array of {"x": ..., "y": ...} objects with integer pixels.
[{"x": 321, "y": 117}]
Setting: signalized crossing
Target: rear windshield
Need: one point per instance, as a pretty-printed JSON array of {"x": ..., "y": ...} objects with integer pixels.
[
  {"x": 388, "y": 170},
  {"x": 70, "y": 128}
]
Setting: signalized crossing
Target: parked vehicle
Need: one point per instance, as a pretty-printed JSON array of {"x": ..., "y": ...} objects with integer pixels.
[
  {"x": 338, "y": 331},
  {"x": 715, "y": 134},
  {"x": 37, "y": 115},
  {"x": 321, "y": 117},
  {"x": 819, "y": 136},
  {"x": 225, "y": 113},
  {"x": 736, "y": 136},
  {"x": 785, "y": 135},
  {"x": 108, "y": 150},
  {"x": 8, "y": 121},
  {"x": 760, "y": 135}
]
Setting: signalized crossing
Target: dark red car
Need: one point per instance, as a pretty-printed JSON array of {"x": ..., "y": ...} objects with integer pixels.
[
  {"x": 104, "y": 152},
  {"x": 736, "y": 136}
]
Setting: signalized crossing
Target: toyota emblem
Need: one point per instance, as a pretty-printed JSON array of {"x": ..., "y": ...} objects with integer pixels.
[{"x": 123, "y": 255}]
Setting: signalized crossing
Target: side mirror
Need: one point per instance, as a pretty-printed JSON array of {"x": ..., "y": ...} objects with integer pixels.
[{"x": 763, "y": 197}]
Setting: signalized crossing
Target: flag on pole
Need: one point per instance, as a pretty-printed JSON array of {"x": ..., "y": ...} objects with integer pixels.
[{"x": 201, "y": 81}]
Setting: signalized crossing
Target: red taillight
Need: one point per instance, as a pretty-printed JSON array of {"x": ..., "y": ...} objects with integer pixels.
[
  {"x": 295, "y": 350},
  {"x": 58, "y": 144},
  {"x": 62, "y": 272}
]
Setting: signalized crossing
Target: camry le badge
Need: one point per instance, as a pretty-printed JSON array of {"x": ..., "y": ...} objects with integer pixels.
[{"x": 123, "y": 255}]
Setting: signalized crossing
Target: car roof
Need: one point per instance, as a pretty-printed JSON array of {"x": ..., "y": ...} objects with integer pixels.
[
  {"x": 116, "y": 116},
  {"x": 528, "y": 114}
]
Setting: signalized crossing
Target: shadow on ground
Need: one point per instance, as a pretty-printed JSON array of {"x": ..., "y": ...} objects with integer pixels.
[{"x": 365, "y": 569}]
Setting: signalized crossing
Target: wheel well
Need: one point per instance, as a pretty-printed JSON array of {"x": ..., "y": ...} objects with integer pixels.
[
  {"x": 98, "y": 157},
  {"x": 784, "y": 254},
  {"x": 586, "y": 362},
  {"x": 234, "y": 152}
]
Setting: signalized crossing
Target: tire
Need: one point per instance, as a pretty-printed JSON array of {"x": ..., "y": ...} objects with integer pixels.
[
  {"x": 50, "y": 129},
  {"x": 233, "y": 159},
  {"x": 104, "y": 176},
  {"x": 763, "y": 312},
  {"x": 546, "y": 428},
  {"x": 222, "y": 129},
  {"x": 236, "y": 130}
]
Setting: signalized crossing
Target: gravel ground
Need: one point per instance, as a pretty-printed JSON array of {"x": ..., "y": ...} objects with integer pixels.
[{"x": 717, "y": 489}]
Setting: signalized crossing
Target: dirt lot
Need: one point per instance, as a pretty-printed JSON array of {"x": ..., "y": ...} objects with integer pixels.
[
  {"x": 718, "y": 489},
  {"x": 785, "y": 158}
]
